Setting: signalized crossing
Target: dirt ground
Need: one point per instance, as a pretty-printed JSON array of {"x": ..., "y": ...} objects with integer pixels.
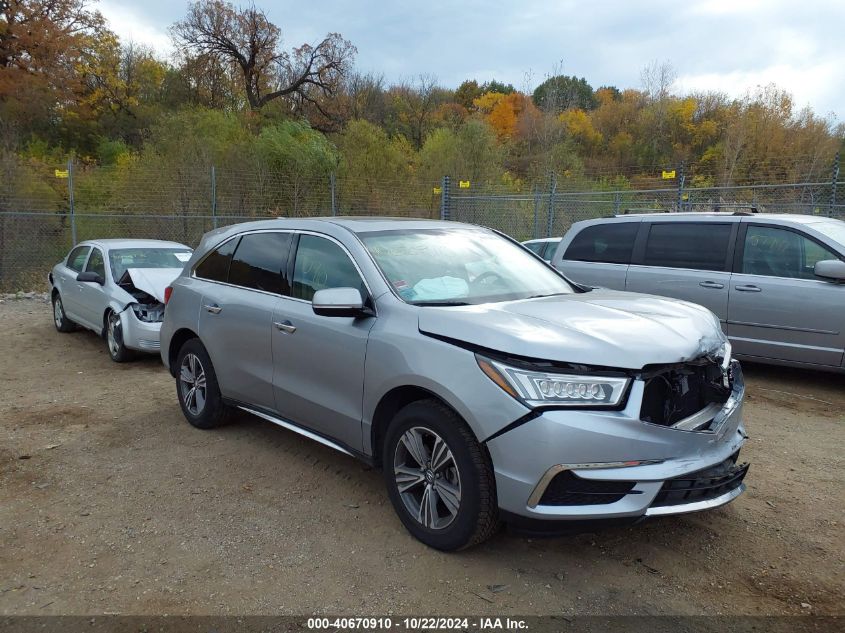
[{"x": 111, "y": 503}]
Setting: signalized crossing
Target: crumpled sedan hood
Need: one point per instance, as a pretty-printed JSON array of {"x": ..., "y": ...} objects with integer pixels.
[{"x": 602, "y": 327}]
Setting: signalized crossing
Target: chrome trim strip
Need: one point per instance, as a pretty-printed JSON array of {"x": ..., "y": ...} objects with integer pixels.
[
  {"x": 297, "y": 429},
  {"x": 697, "y": 420},
  {"x": 696, "y": 506},
  {"x": 540, "y": 488}
]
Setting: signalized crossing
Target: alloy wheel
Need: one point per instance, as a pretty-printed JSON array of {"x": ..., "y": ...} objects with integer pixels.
[
  {"x": 114, "y": 334},
  {"x": 427, "y": 478},
  {"x": 58, "y": 313},
  {"x": 192, "y": 384}
]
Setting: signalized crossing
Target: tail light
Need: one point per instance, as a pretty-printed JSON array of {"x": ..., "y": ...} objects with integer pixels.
[{"x": 167, "y": 292}]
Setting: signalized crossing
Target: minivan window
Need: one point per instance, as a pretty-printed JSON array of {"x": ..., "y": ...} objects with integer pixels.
[
  {"x": 700, "y": 246},
  {"x": 321, "y": 264},
  {"x": 96, "y": 263},
  {"x": 260, "y": 262},
  {"x": 215, "y": 267},
  {"x": 536, "y": 247},
  {"x": 777, "y": 252},
  {"x": 76, "y": 259},
  {"x": 610, "y": 243}
]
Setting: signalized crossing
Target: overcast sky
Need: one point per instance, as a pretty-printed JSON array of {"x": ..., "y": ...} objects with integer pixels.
[{"x": 726, "y": 45}]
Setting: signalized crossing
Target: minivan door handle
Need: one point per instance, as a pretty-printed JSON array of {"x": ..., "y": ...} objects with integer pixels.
[
  {"x": 285, "y": 326},
  {"x": 214, "y": 309},
  {"x": 711, "y": 284},
  {"x": 748, "y": 288}
]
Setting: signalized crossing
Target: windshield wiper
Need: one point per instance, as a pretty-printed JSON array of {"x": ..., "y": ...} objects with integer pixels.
[{"x": 441, "y": 303}]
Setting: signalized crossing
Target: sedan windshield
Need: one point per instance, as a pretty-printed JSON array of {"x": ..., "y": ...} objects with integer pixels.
[
  {"x": 460, "y": 267},
  {"x": 122, "y": 258}
]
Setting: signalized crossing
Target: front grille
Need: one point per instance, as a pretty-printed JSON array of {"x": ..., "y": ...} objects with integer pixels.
[
  {"x": 567, "y": 489},
  {"x": 675, "y": 392},
  {"x": 702, "y": 485}
]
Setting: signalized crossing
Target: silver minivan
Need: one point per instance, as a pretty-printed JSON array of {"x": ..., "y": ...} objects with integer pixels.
[
  {"x": 484, "y": 384},
  {"x": 776, "y": 282}
]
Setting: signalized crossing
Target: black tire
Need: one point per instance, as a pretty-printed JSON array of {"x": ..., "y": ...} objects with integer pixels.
[
  {"x": 213, "y": 412},
  {"x": 477, "y": 516},
  {"x": 113, "y": 335},
  {"x": 60, "y": 320}
]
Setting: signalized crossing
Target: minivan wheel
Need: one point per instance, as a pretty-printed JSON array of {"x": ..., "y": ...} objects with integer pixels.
[
  {"x": 197, "y": 388},
  {"x": 60, "y": 320},
  {"x": 439, "y": 478}
]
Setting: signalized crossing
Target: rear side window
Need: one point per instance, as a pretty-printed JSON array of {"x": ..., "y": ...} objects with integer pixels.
[
  {"x": 700, "y": 246},
  {"x": 611, "y": 243},
  {"x": 215, "y": 267},
  {"x": 260, "y": 262},
  {"x": 320, "y": 264},
  {"x": 76, "y": 259}
]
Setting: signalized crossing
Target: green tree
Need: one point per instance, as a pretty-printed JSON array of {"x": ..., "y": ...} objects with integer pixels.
[{"x": 563, "y": 92}]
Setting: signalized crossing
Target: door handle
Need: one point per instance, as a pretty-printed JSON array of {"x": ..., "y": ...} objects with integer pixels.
[
  {"x": 214, "y": 309},
  {"x": 285, "y": 326},
  {"x": 711, "y": 284},
  {"x": 748, "y": 288}
]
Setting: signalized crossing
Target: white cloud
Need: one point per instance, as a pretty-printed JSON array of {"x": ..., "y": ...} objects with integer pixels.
[{"x": 132, "y": 24}]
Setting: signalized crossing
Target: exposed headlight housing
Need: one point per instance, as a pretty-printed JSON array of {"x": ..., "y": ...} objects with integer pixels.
[{"x": 538, "y": 388}]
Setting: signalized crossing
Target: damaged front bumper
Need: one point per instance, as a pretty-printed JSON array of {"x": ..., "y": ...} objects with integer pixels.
[
  {"x": 589, "y": 465},
  {"x": 137, "y": 334}
]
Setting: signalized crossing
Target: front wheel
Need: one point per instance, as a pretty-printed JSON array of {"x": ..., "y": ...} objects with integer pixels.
[
  {"x": 439, "y": 478},
  {"x": 197, "y": 388},
  {"x": 118, "y": 352}
]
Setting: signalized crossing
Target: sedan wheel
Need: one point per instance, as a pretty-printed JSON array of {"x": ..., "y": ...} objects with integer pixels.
[
  {"x": 427, "y": 478},
  {"x": 63, "y": 324},
  {"x": 192, "y": 384},
  {"x": 114, "y": 339}
]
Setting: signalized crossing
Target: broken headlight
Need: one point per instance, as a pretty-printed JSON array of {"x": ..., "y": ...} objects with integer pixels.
[{"x": 538, "y": 388}]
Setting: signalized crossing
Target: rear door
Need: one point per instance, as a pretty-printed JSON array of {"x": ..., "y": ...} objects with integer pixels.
[
  {"x": 599, "y": 254},
  {"x": 684, "y": 259},
  {"x": 69, "y": 288},
  {"x": 244, "y": 280},
  {"x": 778, "y": 308}
]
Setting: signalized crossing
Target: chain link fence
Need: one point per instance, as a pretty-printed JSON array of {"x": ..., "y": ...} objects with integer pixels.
[{"x": 43, "y": 212}]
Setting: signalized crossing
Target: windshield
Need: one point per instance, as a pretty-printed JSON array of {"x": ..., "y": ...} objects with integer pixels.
[
  {"x": 834, "y": 229},
  {"x": 122, "y": 258},
  {"x": 460, "y": 267}
]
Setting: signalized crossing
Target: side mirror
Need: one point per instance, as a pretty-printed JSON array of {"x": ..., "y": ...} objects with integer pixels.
[
  {"x": 338, "y": 302},
  {"x": 830, "y": 269},
  {"x": 90, "y": 277}
]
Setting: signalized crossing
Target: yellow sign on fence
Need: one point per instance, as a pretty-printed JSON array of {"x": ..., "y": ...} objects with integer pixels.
[
  {"x": 463, "y": 184},
  {"x": 668, "y": 175},
  {"x": 61, "y": 173},
  {"x": 438, "y": 190}
]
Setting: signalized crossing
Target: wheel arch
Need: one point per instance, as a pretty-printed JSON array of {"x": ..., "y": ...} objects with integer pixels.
[
  {"x": 179, "y": 338},
  {"x": 389, "y": 405}
]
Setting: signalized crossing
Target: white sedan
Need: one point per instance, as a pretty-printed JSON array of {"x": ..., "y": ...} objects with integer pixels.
[{"x": 116, "y": 288}]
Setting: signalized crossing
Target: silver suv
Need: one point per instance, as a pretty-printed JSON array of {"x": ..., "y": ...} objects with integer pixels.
[
  {"x": 774, "y": 281},
  {"x": 484, "y": 384}
]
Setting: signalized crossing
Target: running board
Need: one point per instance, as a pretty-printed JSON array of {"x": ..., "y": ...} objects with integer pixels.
[{"x": 297, "y": 429}]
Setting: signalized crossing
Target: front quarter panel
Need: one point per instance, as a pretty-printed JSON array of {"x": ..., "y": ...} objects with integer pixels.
[{"x": 398, "y": 355}]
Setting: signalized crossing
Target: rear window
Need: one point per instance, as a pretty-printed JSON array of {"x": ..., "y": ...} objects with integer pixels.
[
  {"x": 260, "y": 262},
  {"x": 611, "y": 243},
  {"x": 215, "y": 267},
  {"x": 700, "y": 246}
]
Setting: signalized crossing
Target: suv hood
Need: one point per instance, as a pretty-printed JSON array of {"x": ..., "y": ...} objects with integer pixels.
[{"x": 601, "y": 327}]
